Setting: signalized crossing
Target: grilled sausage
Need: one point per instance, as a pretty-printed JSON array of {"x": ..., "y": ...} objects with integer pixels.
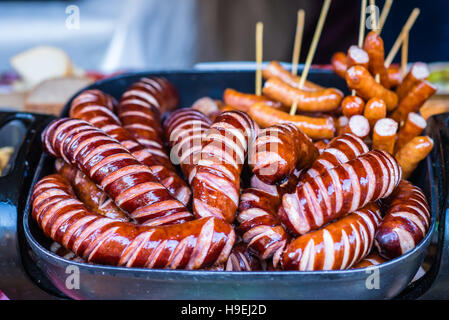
[
  {"x": 259, "y": 226},
  {"x": 374, "y": 47},
  {"x": 278, "y": 150},
  {"x": 241, "y": 259},
  {"x": 131, "y": 185},
  {"x": 216, "y": 185},
  {"x": 185, "y": 130},
  {"x": 103, "y": 118},
  {"x": 413, "y": 126},
  {"x": 140, "y": 110},
  {"x": 275, "y": 70},
  {"x": 190, "y": 245},
  {"x": 352, "y": 105},
  {"x": 406, "y": 221},
  {"x": 243, "y": 101},
  {"x": 308, "y": 101},
  {"x": 314, "y": 127},
  {"x": 412, "y": 153},
  {"x": 88, "y": 192},
  {"x": 358, "y": 126},
  {"x": 339, "y": 64},
  {"x": 419, "y": 71},
  {"x": 384, "y": 135},
  {"x": 338, "y": 191},
  {"x": 370, "y": 260},
  {"x": 357, "y": 57},
  {"x": 375, "y": 109},
  {"x": 339, "y": 245},
  {"x": 360, "y": 80}
]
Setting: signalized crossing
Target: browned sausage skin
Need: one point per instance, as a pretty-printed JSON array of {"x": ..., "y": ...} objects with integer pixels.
[
  {"x": 338, "y": 191},
  {"x": 243, "y": 101},
  {"x": 339, "y": 245},
  {"x": 191, "y": 245},
  {"x": 406, "y": 222},
  {"x": 279, "y": 150},
  {"x": 86, "y": 108},
  {"x": 131, "y": 185},
  {"x": 185, "y": 131},
  {"x": 241, "y": 259},
  {"x": 216, "y": 185}
]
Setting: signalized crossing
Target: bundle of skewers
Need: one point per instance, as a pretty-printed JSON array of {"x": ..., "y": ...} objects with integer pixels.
[{"x": 326, "y": 188}]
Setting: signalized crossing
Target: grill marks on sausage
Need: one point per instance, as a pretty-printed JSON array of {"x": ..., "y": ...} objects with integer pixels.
[
  {"x": 320, "y": 199},
  {"x": 406, "y": 222},
  {"x": 115, "y": 170},
  {"x": 216, "y": 185},
  {"x": 185, "y": 130},
  {"x": 339, "y": 245},
  {"x": 191, "y": 245}
]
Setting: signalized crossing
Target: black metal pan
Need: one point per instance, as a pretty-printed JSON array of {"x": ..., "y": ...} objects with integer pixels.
[{"x": 105, "y": 282}]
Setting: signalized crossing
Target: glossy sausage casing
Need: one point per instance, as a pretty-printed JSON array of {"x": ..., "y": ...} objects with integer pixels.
[{"x": 191, "y": 245}]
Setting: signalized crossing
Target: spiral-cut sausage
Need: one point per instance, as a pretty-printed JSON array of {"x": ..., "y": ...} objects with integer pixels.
[
  {"x": 131, "y": 185},
  {"x": 406, "y": 222},
  {"x": 338, "y": 191},
  {"x": 185, "y": 130},
  {"x": 140, "y": 110},
  {"x": 216, "y": 185},
  {"x": 103, "y": 118},
  {"x": 279, "y": 150},
  {"x": 241, "y": 259},
  {"x": 87, "y": 191},
  {"x": 190, "y": 245},
  {"x": 340, "y": 150},
  {"x": 339, "y": 245},
  {"x": 372, "y": 259},
  {"x": 260, "y": 228}
]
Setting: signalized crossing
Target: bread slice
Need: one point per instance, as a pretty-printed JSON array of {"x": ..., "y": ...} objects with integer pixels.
[
  {"x": 41, "y": 63},
  {"x": 51, "y": 95}
]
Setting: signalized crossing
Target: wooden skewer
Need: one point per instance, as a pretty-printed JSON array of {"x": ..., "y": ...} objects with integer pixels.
[
  {"x": 259, "y": 46},
  {"x": 404, "y": 55},
  {"x": 405, "y": 30},
  {"x": 298, "y": 41},
  {"x": 372, "y": 5},
  {"x": 311, "y": 53},
  {"x": 362, "y": 23},
  {"x": 361, "y": 29},
  {"x": 384, "y": 14}
]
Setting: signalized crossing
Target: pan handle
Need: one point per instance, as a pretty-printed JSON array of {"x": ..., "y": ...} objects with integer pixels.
[
  {"x": 14, "y": 188},
  {"x": 435, "y": 283}
]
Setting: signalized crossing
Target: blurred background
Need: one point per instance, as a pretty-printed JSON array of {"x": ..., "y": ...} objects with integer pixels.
[{"x": 102, "y": 37}]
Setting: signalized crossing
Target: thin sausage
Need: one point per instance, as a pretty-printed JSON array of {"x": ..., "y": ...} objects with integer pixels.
[
  {"x": 418, "y": 71},
  {"x": 375, "y": 109},
  {"x": 412, "y": 153},
  {"x": 384, "y": 135},
  {"x": 352, "y": 105},
  {"x": 413, "y": 126},
  {"x": 374, "y": 47},
  {"x": 243, "y": 101}
]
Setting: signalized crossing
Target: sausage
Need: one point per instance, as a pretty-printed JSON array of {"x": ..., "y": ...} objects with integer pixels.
[
  {"x": 190, "y": 245},
  {"x": 131, "y": 185},
  {"x": 278, "y": 150},
  {"x": 259, "y": 226},
  {"x": 275, "y": 70},
  {"x": 352, "y": 105},
  {"x": 185, "y": 130},
  {"x": 339, "y": 64},
  {"x": 88, "y": 192},
  {"x": 243, "y": 101},
  {"x": 337, "y": 246},
  {"x": 140, "y": 110},
  {"x": 321, "y": 145},
  {"x": 338, "y": 191},
  {"x": 375, "y": 109},
  {"x": 418, "y": 71},
  {"x": 384, "y": 135},
  {"x": 315, "y": 128},
  {"x": 360, "y": 80},
  {"x": 59, "y": 250},
  {"x": 241, "y": 259},
  {"x": 406, "y": 221},
  {"x": 370, "y": 260},
  {"x": 413, "y": 100},
  {"x": 340, "y": 150},
  {"x": 413, "y": 126},
  {"x": 341, "y": 124},
  {"x": 412, "y": 153},
  {"x": 308, "y": 101},
  {"x": 286, "y": 186},
  {"x": 374, "y": 47},
  {"x": 394, "y": 76},
  {"x": 357, "y": 57},
  {"x": 358, "y": 125},
  {"x": 104, "y": 119},
  {"x": 216, "y": 185}
]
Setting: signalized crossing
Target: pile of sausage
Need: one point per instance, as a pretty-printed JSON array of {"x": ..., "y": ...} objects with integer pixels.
[{"x": 237, "y": 185}]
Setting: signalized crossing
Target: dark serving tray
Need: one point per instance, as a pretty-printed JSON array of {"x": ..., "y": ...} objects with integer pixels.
[{"x": 106, "y": 282}]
